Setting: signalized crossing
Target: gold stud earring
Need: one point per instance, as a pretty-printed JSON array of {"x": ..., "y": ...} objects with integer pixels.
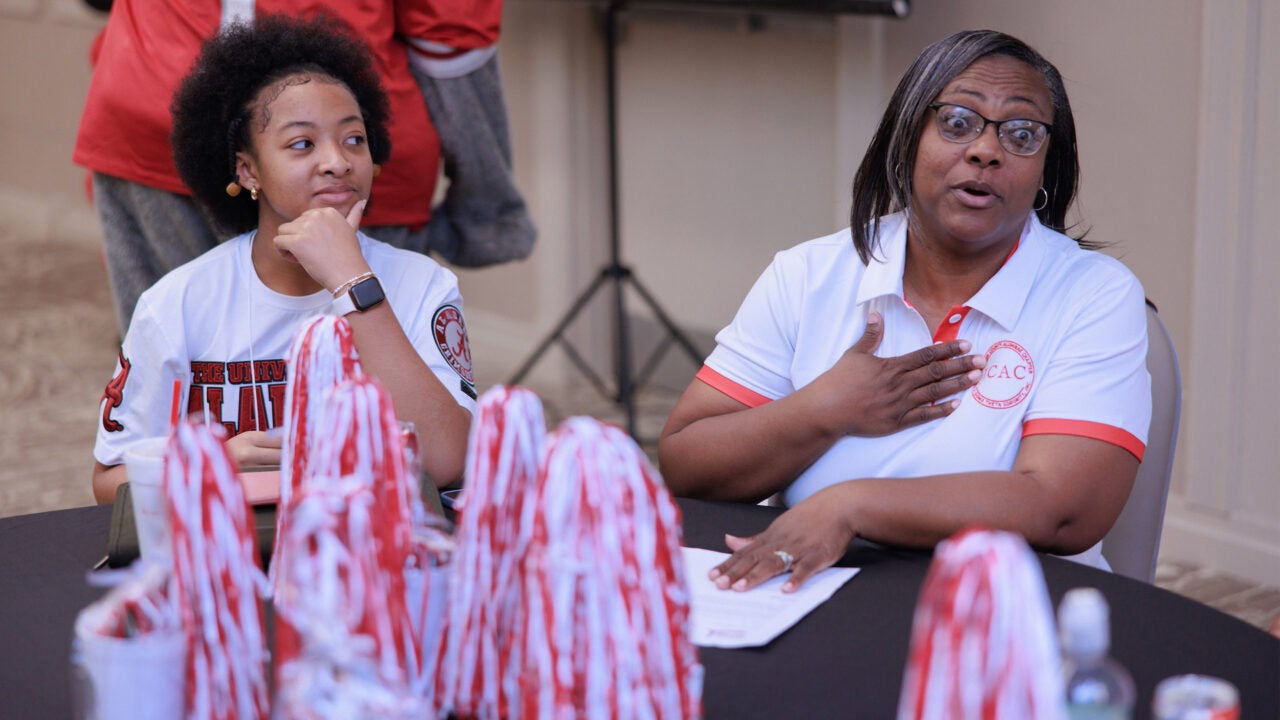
[
  {"x": 253, "y": 193},
  {"x": 233, "y": 188},
  {"x": 377, "y": 170}
]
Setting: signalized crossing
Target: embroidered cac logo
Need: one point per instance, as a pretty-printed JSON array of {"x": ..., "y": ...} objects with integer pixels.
[
  {"x": 1008, "y": 377},
  {"x": 451, "y": 338}
]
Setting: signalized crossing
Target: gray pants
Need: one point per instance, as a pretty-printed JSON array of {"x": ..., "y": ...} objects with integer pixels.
[
  {"x": 483, "y": 219},
  {"x": 146, "y": 232}
]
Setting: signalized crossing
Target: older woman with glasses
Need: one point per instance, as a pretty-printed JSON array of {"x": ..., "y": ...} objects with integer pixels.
[{"x": 951, "y": 359}]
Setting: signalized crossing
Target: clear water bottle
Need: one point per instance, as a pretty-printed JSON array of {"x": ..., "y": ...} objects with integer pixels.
[{"x": 1097, "y": 687}]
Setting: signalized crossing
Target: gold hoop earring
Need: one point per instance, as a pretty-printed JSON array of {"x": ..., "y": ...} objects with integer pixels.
[
  {"x": 377, "y": 170},
  {"x": 253, "y": 193},
  {"x": 233, "y": 188}
]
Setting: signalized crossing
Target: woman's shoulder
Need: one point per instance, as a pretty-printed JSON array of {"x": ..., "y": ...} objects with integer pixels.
[
  {"x": 381, "y": 252},
  {"x": 1066, "y": 254},
  {"x": 1070, "y": 270},
  {"x": 397, "y": 266},
  {"x": 814, "y": 266},
  {"x": 821, "y": 250},
  {"x": 837, "y": 249}
]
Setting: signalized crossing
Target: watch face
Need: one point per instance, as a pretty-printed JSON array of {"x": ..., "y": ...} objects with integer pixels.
[{"x": 367, "y": 293}]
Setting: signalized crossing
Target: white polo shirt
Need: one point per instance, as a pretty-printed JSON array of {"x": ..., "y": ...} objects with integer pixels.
[{"x": 1064, "y": 330}]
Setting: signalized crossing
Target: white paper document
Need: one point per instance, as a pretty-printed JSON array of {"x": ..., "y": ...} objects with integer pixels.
[{"x": 730, "y": 619}]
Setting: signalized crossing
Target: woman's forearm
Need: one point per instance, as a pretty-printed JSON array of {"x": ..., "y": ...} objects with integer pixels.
[
  {"x": 921, "y": 512},
  {"x": 1063, "y": 495},
  {"x": 741, "y": 454}
]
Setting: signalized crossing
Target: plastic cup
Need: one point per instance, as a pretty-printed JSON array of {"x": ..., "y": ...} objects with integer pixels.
[
  {"x": 137, "y": 678},
  {"x": 1195, "y": 697},
  {"x": 144, "y": 464}
]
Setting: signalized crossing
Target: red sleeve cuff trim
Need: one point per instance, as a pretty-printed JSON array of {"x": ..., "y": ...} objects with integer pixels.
[
  {"x": 1084, "y": 428},
  {"x": 750, "y": 398}
]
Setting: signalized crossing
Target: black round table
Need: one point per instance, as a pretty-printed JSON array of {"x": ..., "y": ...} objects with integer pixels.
[
  {"x": 843, "y": 660},
  {"x": 847, "y": 657}
]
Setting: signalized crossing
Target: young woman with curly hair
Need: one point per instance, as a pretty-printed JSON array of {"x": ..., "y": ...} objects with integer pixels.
[{"x": 278, "y": 130}]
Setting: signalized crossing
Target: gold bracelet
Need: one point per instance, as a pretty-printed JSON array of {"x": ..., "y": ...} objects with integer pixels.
[{"x": 344, "y": 287}]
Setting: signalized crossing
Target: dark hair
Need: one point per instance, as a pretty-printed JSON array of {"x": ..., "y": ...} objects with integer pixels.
[
  {"x": 883, "y": 183},
  {"x": 213, "y": 106}
]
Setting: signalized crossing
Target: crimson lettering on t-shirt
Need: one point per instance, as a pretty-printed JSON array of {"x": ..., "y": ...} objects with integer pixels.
[
  {"x": 207, "y": 373},
  {"x": 269, "y": 371},
  {"x": 114, "y": 395},
  {"x": 238, "y": 372},
  {"x": 261, "y": 393},
  {"x": 265, "y": 371},
  {"x": 253, "y": 408},
  {"x": 208, "y": 399}
]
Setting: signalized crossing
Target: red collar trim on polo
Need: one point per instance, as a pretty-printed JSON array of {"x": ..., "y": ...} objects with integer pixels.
[{"x": 949, "y": 328}]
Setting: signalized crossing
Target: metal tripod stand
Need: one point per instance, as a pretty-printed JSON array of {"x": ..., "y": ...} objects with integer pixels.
[{"x": 616, "y": 274}]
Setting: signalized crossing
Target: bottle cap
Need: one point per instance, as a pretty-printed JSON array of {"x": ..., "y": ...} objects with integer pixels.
[{"x": 1084, "y": 627}]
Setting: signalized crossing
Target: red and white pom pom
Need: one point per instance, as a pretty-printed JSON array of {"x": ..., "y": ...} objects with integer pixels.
[
  {"x": 427, "y": 580},
  {"x": 359, "y": 437},
  {"x": 323, "y": 354},
  {"x": 140, "y": 605},
  {"x": 427, "y": 572},
  {"x": 605, "y": 623},
  {"x": 505, "y": 448},
  {"x": 342, "y": 580},
  {"x": 330, "y": 592},
  {"x": 982, "y": 641},
  {"x": 217, "y": 581}
]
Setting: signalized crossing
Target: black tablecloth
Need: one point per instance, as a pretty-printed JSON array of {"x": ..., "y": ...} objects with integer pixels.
[
  {"x": 43, "y": 561},
  {"x": 846, "y": 658},
  {"x": 843, "y": 660}
]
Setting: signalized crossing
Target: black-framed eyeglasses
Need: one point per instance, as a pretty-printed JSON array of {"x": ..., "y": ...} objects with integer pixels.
[{"x": 1019, "y": 136}]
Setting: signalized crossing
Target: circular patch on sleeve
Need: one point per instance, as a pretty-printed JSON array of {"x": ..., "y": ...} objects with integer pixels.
[
  {"x": 451, "y": 337},
  {"x": 1008, "y": 377}
]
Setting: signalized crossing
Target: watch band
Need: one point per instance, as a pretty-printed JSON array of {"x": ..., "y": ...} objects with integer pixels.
[
  {"x": 342, "y": 306},
  {"x": 344, "y": 287},
  {"x": 360, "y": 297}
]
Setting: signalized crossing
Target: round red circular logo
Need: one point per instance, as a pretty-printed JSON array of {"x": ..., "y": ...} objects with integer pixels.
[
  {"x": 1008, "y": 376},
  {"x": 451, "y": 338}
]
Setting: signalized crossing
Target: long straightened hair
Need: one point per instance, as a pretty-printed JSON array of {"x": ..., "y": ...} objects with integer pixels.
[{"x": 883, "y": 183}]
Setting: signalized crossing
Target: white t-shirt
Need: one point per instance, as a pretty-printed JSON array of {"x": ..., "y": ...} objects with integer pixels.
[
  {"x": 207, "y": 322},
  {"x": 1064, "y": 330}
]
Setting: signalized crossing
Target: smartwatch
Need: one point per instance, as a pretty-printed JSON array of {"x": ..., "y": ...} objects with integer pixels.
[{"x": 362, "y": 296}]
